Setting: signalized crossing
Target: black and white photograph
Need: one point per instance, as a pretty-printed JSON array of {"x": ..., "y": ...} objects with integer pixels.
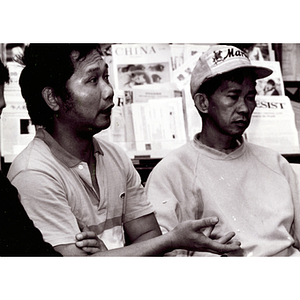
[{"x": 149, "y": 154}]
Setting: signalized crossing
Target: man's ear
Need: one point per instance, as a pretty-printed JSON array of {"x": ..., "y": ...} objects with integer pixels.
[
  {"x": 50, "y": 98},
  {"x": 201, "y": 102}
]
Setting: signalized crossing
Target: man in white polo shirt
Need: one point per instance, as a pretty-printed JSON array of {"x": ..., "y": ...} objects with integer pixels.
[{"x": 69, "y": 179}]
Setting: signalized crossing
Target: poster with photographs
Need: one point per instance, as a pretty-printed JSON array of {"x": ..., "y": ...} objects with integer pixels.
[
  {"x": 273, "y": 84},
  {"x": 141, "y": 64}
]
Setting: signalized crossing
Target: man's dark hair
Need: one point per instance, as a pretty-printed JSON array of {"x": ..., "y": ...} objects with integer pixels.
[
  {"x": 48, "y": 65},
  {"x": 4, "y": 74}
]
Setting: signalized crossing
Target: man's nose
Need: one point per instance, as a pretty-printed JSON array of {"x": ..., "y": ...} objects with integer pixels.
[
  {"x": 107, "y": 92},
  {"x": 243, "y": 105}
]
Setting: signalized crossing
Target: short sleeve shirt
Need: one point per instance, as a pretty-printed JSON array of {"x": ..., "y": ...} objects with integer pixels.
[{"x": 57, "y": 192}]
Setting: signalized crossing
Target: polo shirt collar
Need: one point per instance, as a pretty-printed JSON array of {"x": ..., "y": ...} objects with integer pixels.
[{"x": 59, "y": 152}]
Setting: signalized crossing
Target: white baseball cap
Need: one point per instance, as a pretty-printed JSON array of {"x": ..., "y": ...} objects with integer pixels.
[{"x": 220, "y": 59}]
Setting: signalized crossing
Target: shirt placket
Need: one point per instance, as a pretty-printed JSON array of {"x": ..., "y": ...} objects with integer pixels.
[
  {"x": 84, "y": 174},
  {"x": 101, "y": 179}
]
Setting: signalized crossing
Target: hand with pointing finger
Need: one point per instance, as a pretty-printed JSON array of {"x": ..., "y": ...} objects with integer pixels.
[{"x": 189, "y": 235}]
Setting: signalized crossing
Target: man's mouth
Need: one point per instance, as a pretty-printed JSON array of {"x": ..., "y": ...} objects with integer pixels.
[
  {"x": 107, "y": 110},
  {"x": 241, "y": 122}
]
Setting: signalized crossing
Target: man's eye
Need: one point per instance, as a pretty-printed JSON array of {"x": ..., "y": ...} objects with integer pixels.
[
  {"x": 93, "y": 79},
  {"x": 234, "y": 97},
  {"x": 251, "y": 98}
]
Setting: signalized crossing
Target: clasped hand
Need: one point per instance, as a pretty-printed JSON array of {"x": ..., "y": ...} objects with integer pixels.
[
  {"x": 89, "y": 242},
  {"x": 192, "y": 235},
  {"x": 189, "y": 235}
]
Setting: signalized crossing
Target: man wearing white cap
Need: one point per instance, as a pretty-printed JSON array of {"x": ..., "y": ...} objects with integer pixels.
[{"x": 251, "y": 189}]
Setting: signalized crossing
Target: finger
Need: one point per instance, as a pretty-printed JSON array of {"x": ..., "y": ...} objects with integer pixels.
[
  {"x": 86, "y": 235},
  {"x": 216, "y": 247},
  {"x": 79, "y": 244},
  {"x": 84, "y": 244},
  {"x": 205, "y": 222},
  {"x": 235, "y": 242},
  {"x": 87, "y": 243},
  {"x": 207, "y": 230},
  {"x": 226, "y": 238},
  {"x": 91, "y": 250},
  {"x": 91, "y": 246}
]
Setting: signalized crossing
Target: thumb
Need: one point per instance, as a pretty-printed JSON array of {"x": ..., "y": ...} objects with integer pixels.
[{"x": 206, "y": 222}]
